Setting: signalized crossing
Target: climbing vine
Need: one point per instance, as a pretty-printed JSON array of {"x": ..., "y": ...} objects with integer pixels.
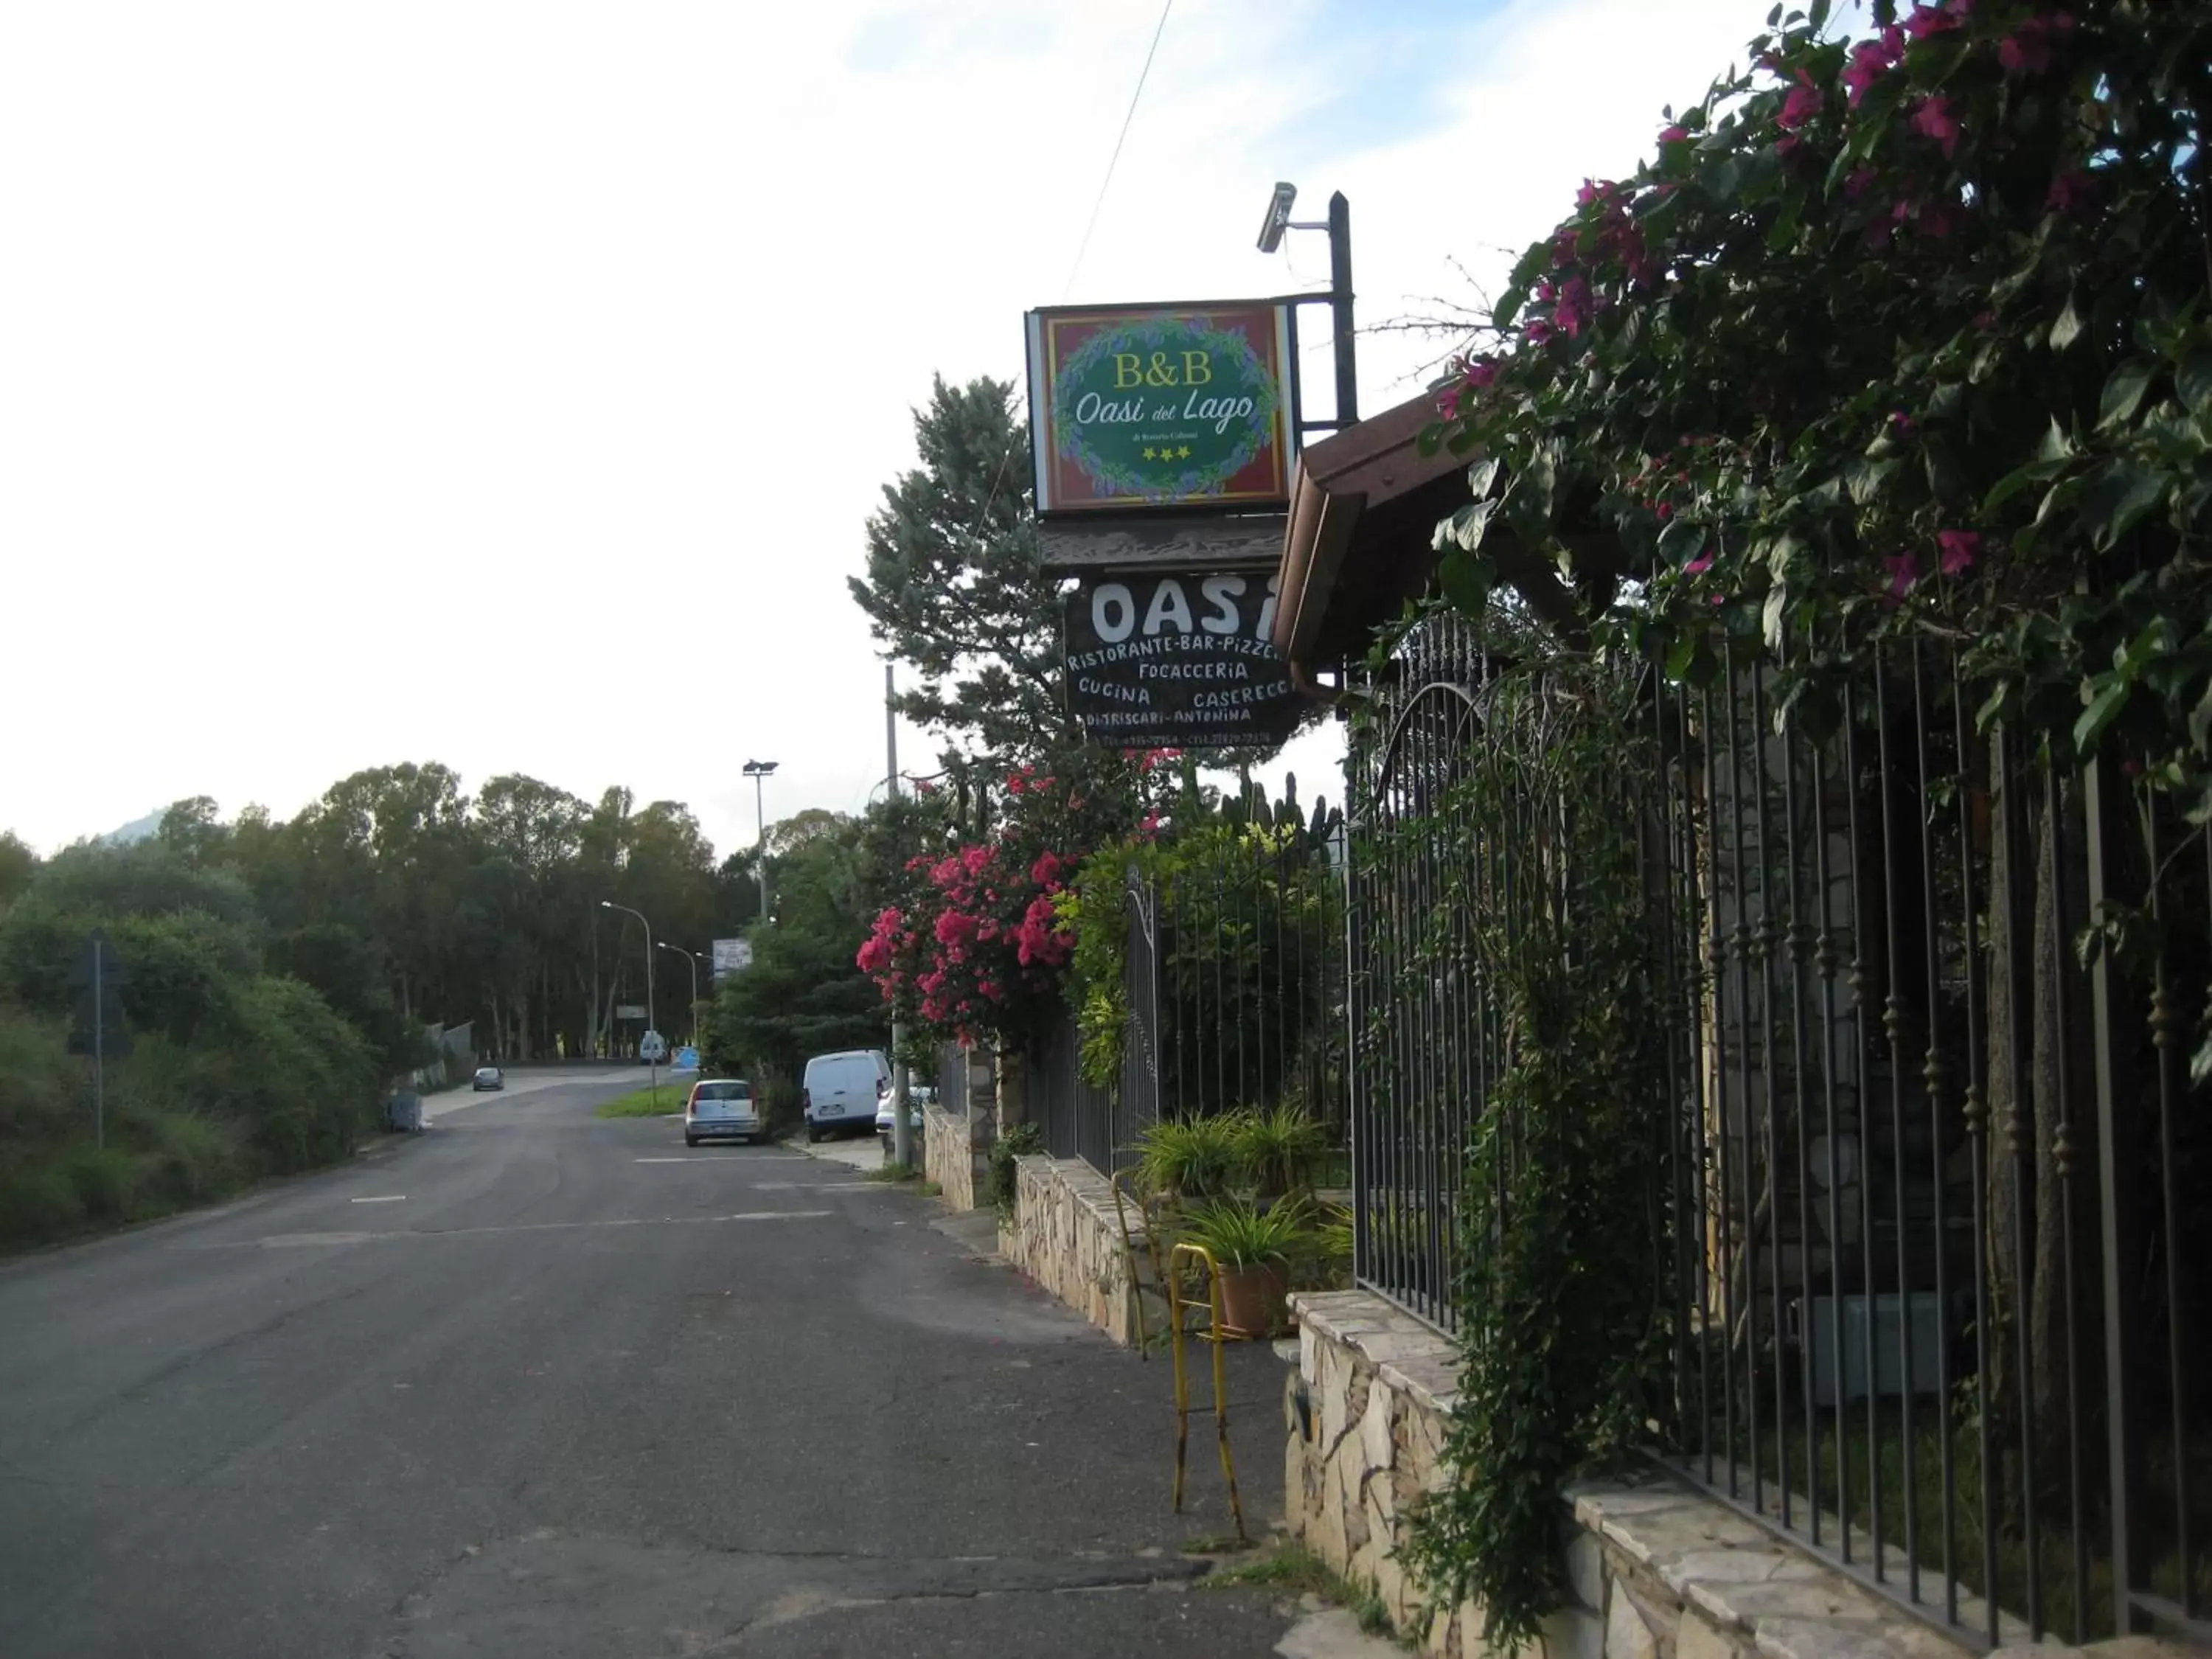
[{"x": 1558, "y": 1294}]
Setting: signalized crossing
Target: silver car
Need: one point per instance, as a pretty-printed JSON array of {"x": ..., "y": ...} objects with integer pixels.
[{"x": 722, "y": 1109}]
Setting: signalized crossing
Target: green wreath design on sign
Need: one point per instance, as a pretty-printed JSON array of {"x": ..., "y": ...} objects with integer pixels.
[{"x": 1236, "y": 371}]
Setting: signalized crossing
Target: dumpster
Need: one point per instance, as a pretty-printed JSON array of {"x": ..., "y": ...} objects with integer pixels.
[{"x": 403, "y": 1113}]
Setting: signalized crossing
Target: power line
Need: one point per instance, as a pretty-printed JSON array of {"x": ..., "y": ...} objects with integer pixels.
[{"x": 1106, "y": 183}]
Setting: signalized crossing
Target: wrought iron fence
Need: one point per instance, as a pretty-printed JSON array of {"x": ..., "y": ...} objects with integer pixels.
[
  {"x": 1232, "y": 990},
  {"x": 1933, "y": 1280}
]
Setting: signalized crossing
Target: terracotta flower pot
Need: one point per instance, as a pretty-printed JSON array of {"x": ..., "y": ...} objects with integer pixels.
[{"x": 1253, "y": 1298}]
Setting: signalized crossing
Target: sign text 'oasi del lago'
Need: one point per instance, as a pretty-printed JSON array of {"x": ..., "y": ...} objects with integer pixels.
[
  {"x": 1179, "y": 662},
  {"x": 1137, "y": 408}
]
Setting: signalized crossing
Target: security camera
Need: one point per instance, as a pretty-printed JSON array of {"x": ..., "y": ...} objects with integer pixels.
[{"x": 1279, "y": 217}]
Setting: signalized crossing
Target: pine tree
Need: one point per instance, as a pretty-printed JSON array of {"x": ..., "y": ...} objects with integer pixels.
[{"x": 953, "y": 585}]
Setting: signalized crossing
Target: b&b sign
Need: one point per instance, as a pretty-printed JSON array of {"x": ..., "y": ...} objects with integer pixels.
[
  {"x": 1180, "y": 661},
  {"x": 1143, "y": 407}
]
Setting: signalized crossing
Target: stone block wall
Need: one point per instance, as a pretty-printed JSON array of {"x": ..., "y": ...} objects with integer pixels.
[
  {"x": 954, "y": 1153},
  {"x": 1065, "y": 1235},
  {"x": 1656, "y": 1571}
]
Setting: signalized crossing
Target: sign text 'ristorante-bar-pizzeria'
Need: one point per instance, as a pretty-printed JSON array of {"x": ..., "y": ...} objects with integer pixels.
[
  {"x": 1133, "y": 407},
  {"x": 1183, "y": 661}
]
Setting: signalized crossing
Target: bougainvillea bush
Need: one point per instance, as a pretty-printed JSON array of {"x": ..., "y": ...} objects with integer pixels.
[
  {"x": 972, "y": 945},
  {"x": 1905, "y": 335}
]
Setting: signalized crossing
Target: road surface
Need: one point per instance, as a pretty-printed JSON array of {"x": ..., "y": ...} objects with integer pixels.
[{"x": 537, "y": 1384}]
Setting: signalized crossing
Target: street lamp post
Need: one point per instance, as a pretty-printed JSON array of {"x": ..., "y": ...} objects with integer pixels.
[
  {"x": 758, "y": 771},
  {"x": 693, "y": 1039},
  {"x": 609, "y": 904},
  {"x": 1339, "y": 297}
]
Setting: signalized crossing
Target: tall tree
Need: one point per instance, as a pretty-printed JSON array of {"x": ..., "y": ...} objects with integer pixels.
[{"x": 952, "y": 584}]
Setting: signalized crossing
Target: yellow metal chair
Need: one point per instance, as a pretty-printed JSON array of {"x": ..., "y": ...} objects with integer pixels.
[{"x": 1199, "y": 1260}]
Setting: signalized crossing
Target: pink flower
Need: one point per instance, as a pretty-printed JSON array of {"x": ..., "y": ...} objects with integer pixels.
[
  {"x": 2070, "y": 190},
  {"x": 1674, "y": 135},
  {"x": 1573, "y": 311},
  {"x": 1959, "y": 549},
  {"x": 1938, "y": 219},
  {"x": 2026, "y": 50},
  {"x": 1563, "y": 246},
  {"x": 1857, "y": 182},
  {"x": 1045, "y": 873},
  {"x": 956, "y": 930},
  {"x": 1480, "y": 372},
  {"x": 1870, "y": 60},
  {"x": 1662, "y": 509},
  {"x": 1937, "y": 118},
  {"x": 1702, "y": 563},
  {"x": 1901, "y": 422},
  {"x": 1545, "y": 291},
  {"x": 1937, "y": 20},
  {"x": 1903, "y": 571},
  {"x": 1539, "y": 332},
  {"x": 1448, "y": 402},
  {"x": 1802, "y": 104}
]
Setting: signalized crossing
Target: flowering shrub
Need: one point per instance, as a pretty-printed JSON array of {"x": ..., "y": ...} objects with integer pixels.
[
  {"x": 974, "y": 944},
  {"x": 1905, "y": 336}
]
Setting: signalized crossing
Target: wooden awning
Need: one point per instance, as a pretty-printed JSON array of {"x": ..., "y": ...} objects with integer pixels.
[
  {"x": 1365, "y": 507},
  {"x": 1364, "y": 504}
]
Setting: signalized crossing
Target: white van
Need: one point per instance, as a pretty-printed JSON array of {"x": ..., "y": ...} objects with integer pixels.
[{"x": 840, "y": 1091}]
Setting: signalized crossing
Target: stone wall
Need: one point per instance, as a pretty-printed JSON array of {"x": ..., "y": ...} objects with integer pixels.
[
  {"x": 954, "y": 1153},
  {"x": 1065, "y": 1235},
  {"x": 1656, "y": 1571}
]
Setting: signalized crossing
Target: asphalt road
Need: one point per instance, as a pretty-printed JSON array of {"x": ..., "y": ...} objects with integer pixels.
[{"x": 538, "y": 1384}]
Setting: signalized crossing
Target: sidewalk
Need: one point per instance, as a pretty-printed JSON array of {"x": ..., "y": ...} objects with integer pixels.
[{"x": 1098, "y": 1425}]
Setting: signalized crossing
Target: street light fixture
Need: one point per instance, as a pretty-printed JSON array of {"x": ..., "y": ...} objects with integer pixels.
[
  {"x": 609, "y": 904},
  {"x": 759, "y": 770},
  {"x": 693, "y": 1039},
  {"x": 1339, "y": 297}
]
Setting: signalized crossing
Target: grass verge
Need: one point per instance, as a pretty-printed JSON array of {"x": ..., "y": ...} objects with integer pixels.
[
  {"x": 1297, "y": 1570},
  {"x": 664, "y": 1102},
  {"x": 892, "y": 1172}
]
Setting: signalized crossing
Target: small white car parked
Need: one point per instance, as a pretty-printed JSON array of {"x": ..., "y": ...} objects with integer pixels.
[
  {"x": 722, "y": 1109},
  {"x": 841, "y": 1092}
]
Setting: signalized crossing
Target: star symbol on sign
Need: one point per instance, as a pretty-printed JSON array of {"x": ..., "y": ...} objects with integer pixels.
[
  {"x": 1183, "y": 453},
  {"x": 1148, "y": 454}
]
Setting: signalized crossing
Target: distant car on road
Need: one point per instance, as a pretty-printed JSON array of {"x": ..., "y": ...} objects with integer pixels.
[
  {"x": 490, "y": 1076},
  {"x": 722, "y": 1109},
  {"x": 841, "y": 1092}
]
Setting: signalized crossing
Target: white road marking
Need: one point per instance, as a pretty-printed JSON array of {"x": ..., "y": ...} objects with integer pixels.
[
  {"x": 384, "y": 1198},
  {"x": 660, "y": 1160}
]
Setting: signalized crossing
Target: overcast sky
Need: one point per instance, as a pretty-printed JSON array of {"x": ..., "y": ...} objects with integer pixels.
[{"x": 458, "y": 381}]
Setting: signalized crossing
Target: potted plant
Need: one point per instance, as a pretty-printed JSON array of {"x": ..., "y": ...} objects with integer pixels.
[
  {"x": 1253, "y": 1249},
  {"x": 1194, "y": 1159},
  {"x": 1278, "y": 1150}
]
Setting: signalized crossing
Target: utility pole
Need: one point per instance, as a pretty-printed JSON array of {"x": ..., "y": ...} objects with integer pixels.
[
  {"x": 692, "y": 1026},
  {"x": 902, "y": 1128}
]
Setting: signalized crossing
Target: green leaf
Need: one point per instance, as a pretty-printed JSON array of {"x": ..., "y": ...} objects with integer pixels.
[
  {"x": 2116, "y": 503},
  {"x": 2017, "y": 480},
  {"x": 1467, "y": 579},
  {"x": 2193, "y": 381},
  {"x": 2200, "y": 721},
  {"x": 1774, "y": 614},
  {"x": 2056, "y": 445},
  {"x": 1480, "y": 476},
  {"x": 2068, "y": 327},
  {"x": 1865, "y": 478},
  {"x": 2123, "y": 393},
  {"x": 1431, "y": 438},
  {"x": 2104, "y": 708}
]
